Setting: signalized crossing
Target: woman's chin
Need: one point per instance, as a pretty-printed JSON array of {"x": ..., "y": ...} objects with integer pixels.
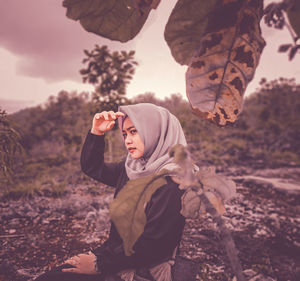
[{"x": 135, "y": 154}]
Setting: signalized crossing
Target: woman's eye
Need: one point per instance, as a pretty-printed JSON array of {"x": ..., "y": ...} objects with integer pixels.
[
  {"x": 133, "y": 131},
  {"x": 124, "y": 136}
]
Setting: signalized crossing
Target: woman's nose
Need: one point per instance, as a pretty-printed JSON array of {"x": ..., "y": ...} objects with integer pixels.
[{"x": 128, "y": 140}]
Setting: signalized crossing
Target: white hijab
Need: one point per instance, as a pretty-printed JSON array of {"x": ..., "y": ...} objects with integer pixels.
[{"x": 159, "y": 130}]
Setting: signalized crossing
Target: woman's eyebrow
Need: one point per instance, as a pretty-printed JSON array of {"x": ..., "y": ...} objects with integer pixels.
[{"x": 127, "y": 129}]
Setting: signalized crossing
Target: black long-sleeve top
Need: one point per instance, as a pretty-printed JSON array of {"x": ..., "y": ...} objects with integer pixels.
[{"x": 164, "y": 225}]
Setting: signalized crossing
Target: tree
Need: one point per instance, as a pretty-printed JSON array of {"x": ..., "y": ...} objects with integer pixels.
[
  {"x": 109, "y": 73},
  {"x": 9, "y": 145}
]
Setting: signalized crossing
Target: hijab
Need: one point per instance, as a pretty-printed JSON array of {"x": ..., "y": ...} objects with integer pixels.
[{"x": 159, "y": 130}]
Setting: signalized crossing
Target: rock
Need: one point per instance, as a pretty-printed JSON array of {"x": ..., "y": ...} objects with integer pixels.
[
  {"x": 248, "y": 273},
  {"x": 261, "y": 277},
  {"x": 14, "y": 222},
  {"x": 251, "y": 275}
]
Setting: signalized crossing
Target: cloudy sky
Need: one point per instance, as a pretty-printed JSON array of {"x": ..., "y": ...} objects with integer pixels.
[{"x": 41, "y": 52}]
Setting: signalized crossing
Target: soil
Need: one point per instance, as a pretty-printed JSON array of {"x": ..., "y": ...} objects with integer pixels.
[{"x": 41, "y": 231}]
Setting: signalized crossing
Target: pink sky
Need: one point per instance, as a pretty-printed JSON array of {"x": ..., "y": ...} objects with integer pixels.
[{"x": 41, "y": 53}]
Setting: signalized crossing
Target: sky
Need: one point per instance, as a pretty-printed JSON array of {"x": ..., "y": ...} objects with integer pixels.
[{"x": 41, "y": 53}]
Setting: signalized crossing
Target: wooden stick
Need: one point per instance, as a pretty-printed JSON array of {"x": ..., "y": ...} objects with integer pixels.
[{"x": 11, "y": 235}]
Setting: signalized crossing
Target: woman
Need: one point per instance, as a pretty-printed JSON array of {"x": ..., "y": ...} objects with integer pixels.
[{"x": 149, "y": 131}]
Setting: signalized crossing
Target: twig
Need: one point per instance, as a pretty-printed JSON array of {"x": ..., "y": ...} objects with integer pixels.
[{"x": 11, "y": 236}]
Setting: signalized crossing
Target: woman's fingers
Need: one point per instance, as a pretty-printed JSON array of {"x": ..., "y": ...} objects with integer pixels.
[
  {"x": 111, "y": 125},
  {"x": 83, "y": 263},
  {"x": 108, "y": 115},
  {"x": 73, "y": 260},
  {"x": 119, "y": 114},
  {"x": 112, "y": 115},
  {"x": 72, "y": 269},
  {"x": 105, "y": 115}
]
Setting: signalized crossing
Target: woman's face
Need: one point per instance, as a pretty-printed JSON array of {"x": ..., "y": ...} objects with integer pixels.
[{"x": 133, "y": 142}]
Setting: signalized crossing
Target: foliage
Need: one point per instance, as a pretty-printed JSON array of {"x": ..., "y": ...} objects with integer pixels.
[
  {"x": 62, "y": 120},
  {"x": 219, "y": 40},
  {"x": 110, "y": 73},
  {"x": 265, "y": 136},
  {"x": 52, "y": 136},
  {"x": 9, "y": 145},
  {"x": 275, "y": 16}
]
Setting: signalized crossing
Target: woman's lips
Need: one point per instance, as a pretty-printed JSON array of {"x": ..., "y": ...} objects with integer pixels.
[{"x": 131, "y": 149}]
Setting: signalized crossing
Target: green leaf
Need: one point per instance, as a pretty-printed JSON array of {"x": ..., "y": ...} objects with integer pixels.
[
  {"x": 225, "y": 60},
  {"x": 127, "y": 209},
  {"x": 114, "y": 19},
  {"x": 294, "y": 17},
  {"x": 185, "y": 26}
]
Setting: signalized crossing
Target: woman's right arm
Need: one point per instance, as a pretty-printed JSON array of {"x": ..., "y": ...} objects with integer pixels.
[{"x": 92, "y": 154}]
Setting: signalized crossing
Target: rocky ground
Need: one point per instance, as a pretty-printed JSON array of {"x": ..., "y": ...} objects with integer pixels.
[{"x": 41, "y": 231}]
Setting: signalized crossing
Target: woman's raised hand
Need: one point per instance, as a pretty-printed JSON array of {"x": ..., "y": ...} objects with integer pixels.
[{"x": 104, "y": 121}]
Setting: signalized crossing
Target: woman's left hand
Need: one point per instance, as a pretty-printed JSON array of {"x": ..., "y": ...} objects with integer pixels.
[{"x": 84, "y": 263}]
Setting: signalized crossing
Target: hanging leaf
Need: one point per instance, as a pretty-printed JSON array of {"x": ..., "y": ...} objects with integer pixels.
[
  {"x": 183, "y": 170},
  {"x": 293, "y": 51},
  {"x": 185, "y": 26},
  {"x": 127, "y": 210},
  {"x": 225, "y": 61},
  {"x": 219, "y": 184},
  {"x": 119, "y": 20},
  {"x": 192, "y": 207},
  {"x": 191, "y": 204},
  {"x": 216, "y": 202},
  {"x": 283, "y": 48},
  {"x": 294, "y": 17}
]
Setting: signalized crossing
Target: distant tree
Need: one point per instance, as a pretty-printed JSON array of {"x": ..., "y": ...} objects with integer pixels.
[
  {"x": 109, "y": 72},
  {"x": 9, "y": 145},
  {"x": 62, "y": 120},
  {"x": 148, "y": 97}
]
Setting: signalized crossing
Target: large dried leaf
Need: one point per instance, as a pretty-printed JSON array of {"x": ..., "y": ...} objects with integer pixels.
[
  {"x": 185, "y": 26},
  {"x": 117, "y": 20},
  {"x": 127, "y": 210},
  {"x": 225, "y": 61},
  {"x": 294, "y": 17}
]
